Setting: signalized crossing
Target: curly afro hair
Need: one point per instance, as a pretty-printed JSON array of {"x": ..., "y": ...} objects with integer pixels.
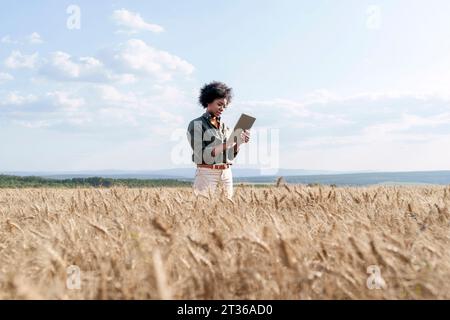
[{"x": 214, "y": 90}]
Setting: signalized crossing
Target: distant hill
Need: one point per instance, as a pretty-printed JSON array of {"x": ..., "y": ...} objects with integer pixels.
[
  {"x": 360, "y": 179},
  {"x": 242, "y": 175},
  {"x": 178, "y": 173}
]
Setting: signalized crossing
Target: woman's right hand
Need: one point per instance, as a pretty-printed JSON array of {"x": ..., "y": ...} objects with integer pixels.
[{"x": 245, "y": 136}]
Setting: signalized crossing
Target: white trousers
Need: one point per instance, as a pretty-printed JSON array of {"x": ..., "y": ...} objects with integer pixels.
[{"x": 206, "y": 180}]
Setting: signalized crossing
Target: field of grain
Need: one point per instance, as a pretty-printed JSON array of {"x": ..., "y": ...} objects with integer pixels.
[{"x": 278, "y": 242}]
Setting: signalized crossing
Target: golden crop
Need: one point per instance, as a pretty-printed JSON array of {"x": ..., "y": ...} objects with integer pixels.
[{"x": 279, "y": 242}]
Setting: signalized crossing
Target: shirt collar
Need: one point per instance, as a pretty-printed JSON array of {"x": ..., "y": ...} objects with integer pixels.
[{"x": 207, "y": 115}]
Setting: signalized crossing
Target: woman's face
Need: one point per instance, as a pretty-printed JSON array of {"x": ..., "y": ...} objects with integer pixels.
[{"x": 217, "y": 106}]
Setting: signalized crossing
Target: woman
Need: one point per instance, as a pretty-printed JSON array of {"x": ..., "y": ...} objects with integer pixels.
[{"x": 214, "y": 147}]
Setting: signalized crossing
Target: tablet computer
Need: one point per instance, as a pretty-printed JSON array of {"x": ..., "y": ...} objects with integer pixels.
[{"x": 245, "y": 122}]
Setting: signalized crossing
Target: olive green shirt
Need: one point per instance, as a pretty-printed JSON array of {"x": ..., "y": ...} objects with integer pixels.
[{"x": 203, "y": 136}]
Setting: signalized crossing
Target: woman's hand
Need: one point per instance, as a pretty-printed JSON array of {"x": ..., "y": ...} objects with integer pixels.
[{"x": 245, "y": 136}]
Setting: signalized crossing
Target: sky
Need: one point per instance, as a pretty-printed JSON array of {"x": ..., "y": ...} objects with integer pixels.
[{"x": 335, "y": 85}]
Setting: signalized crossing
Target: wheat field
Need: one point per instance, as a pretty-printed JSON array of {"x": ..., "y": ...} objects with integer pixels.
[{"x": 277, "y": 242}]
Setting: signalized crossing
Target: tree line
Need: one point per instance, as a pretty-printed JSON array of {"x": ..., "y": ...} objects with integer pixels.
[{"x": 10, "y": 181}]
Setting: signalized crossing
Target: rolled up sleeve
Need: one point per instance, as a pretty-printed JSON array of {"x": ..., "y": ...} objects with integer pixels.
[{"x": 195, "y": 138}]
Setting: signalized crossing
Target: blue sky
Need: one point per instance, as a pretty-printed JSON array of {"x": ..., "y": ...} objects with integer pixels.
[{"x": 344, "y": 85}]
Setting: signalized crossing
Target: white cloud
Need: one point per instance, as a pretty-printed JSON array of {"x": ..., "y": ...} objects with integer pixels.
[
  {"x": 123, "y": 78},
  {"x": 296, "y": 107},
  {"x": 111, "y": 96},
  {"x": 407, "y": 122},
  {"x": 126, "y": 63},
  {"x": 18, "y": 60},
  {"x": 63, "y": 66},
  {"x": 137, "y": 109},
  {"x": 8, "y": 40},
  {"x": 66, "y": 100},
  {"x": 324, "y": 120},
  {"x": 136, "y": 57},
  {"x": 33, "y": 124},
  {"x": 172, "y": 95},
  {"x": 392, "y": 153},
  {"x": 15, "y": 98},
  {"x": 321, "y": 104},
  {"x": 297, "y": 113},
  {"x": 96, "y": 108},
  {"x": 133, "y": 22},
  {"x": 35, "y": 38},
  {"x": 5, "y": 77}
]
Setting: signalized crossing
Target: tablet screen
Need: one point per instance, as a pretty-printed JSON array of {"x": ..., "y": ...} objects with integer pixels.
[{"x": 245, "y": 122}]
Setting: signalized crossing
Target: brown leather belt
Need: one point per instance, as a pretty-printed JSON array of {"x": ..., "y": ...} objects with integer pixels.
[{"x": 222, "y": 166}]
